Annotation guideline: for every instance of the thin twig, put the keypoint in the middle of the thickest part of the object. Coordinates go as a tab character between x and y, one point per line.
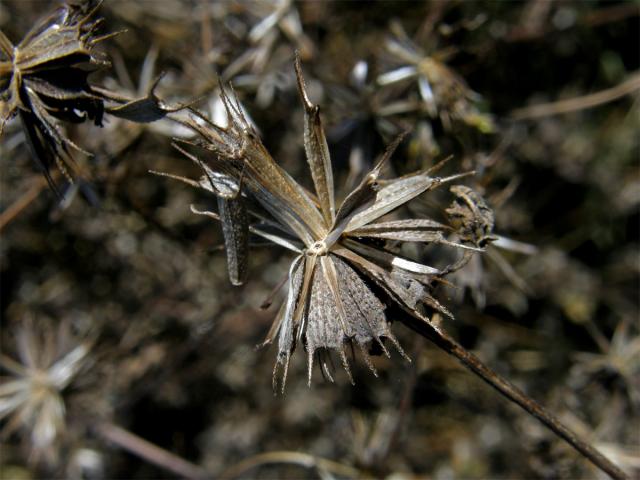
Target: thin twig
579	103
13	210
150	452
595	18
614	13
404	406
533	20
513	393
295	458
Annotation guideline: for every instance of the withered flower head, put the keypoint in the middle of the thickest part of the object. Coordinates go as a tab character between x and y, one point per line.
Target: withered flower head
471	216
443	93
32	396
44	80
279	25
330	301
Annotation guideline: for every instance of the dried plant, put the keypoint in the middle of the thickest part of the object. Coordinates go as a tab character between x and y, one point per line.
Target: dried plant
620	355
443	93
475	221
342	279
471	216
32	398
359	118
44	80
232	214
264	37
279	21
330	302
142	278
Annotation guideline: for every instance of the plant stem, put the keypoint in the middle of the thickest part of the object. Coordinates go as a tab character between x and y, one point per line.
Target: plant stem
13	210
150	452
293	458
591	100
513	393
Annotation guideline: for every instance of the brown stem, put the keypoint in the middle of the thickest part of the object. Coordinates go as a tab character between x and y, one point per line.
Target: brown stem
13	210
579	103
404	407
595	18
293	458
150	452
513	393
614	13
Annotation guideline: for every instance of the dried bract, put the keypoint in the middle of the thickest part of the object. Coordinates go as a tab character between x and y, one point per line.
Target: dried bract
43	82
620	355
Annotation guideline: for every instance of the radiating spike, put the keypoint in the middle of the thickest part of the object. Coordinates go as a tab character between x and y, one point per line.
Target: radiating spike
188	181
324	368
345	364
309	366
367	359
317	151
396	343
275	327
331	278
274	378
268	300
286	372
438	165
382	346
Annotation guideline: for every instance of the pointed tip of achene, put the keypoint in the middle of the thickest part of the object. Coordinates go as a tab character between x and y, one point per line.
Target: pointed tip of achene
345	365
302	89
285	371
309	367
399	348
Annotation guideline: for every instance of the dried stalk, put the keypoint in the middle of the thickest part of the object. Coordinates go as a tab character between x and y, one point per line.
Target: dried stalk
513	393
13	210
629	86
295	458
150	452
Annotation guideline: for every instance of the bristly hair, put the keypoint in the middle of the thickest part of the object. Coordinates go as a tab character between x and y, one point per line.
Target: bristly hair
330	301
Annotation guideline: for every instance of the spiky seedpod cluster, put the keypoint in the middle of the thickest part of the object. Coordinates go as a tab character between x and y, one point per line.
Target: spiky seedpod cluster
42	80
45	80
331	301
360	260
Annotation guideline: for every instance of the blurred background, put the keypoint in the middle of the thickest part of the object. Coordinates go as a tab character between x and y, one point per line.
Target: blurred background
540	98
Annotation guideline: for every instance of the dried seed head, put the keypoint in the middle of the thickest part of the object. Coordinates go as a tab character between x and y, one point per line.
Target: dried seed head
44	80
471	216
339	248
443	93
32	397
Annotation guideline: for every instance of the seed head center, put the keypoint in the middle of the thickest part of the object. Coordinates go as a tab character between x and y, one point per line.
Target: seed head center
318	248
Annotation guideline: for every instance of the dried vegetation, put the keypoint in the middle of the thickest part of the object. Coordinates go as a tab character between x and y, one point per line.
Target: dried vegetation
374	192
